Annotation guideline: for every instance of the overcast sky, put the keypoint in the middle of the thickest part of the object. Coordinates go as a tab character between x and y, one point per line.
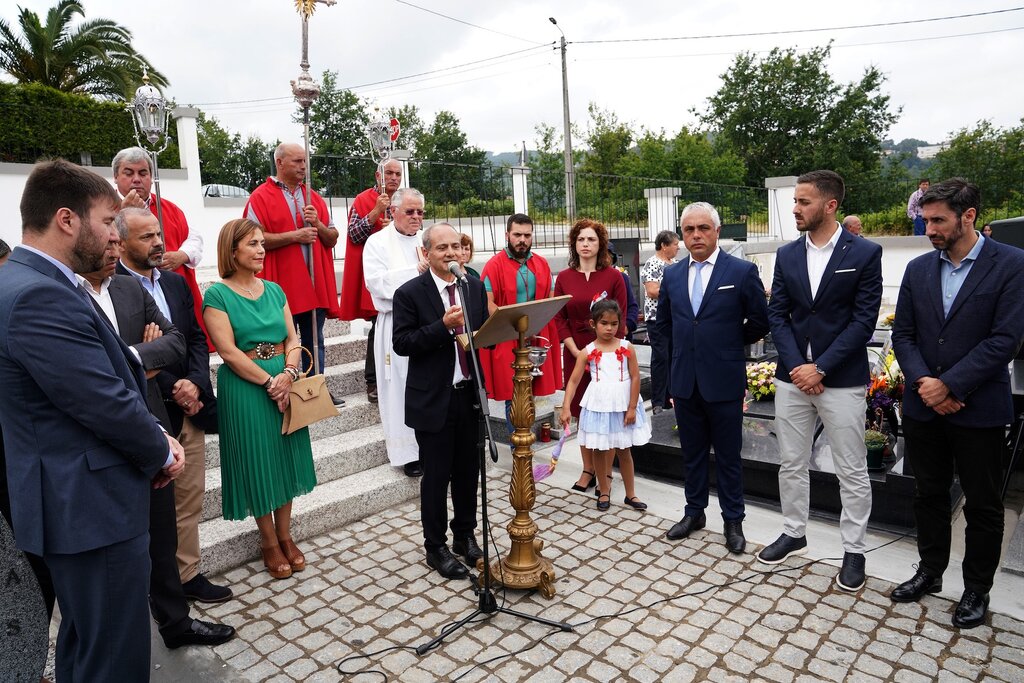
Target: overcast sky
219	54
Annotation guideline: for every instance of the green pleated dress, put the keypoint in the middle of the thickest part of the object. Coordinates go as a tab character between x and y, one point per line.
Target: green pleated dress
261	469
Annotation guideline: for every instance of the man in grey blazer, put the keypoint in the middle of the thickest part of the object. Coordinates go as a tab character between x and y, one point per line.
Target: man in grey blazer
959	322
83	450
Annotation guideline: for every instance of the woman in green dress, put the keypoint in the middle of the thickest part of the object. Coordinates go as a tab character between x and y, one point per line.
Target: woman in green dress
261	469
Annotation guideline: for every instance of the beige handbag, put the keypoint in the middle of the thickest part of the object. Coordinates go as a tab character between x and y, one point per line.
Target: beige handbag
308	402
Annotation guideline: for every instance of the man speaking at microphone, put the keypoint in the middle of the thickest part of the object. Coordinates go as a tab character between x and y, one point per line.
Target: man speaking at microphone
441	402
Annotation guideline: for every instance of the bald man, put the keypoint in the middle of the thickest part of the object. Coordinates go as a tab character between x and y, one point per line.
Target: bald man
298	231
853	225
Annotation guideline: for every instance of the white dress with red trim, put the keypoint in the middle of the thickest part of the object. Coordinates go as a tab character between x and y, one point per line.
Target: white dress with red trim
602	424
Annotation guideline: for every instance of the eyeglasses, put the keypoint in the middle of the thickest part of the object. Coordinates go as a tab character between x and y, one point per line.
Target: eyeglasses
413	212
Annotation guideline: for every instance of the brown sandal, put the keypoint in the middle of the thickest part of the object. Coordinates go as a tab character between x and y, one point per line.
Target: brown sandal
294	555
273	560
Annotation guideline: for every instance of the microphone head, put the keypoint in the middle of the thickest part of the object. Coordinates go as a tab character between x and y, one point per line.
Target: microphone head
454	269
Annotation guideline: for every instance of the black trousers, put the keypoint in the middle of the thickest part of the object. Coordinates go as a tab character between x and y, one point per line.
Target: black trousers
660	366
450	456
166	597
936	450
370	367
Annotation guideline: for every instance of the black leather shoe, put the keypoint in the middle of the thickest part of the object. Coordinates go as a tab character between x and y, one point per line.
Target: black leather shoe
201	633
338	402
783	547
468	548
851	574
916	588
413	469
200	589
735	541
971	610
686	526
445	563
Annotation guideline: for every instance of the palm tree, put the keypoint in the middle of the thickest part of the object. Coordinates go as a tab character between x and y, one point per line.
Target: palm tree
95	57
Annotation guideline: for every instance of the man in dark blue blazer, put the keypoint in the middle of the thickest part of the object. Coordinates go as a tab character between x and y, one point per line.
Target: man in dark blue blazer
710	305
825	297
184	388
959	322
82	448
441	404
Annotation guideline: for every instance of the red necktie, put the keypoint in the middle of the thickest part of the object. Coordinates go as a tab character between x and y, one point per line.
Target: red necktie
463	362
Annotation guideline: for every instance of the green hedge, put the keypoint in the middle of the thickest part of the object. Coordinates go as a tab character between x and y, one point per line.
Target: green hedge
39	122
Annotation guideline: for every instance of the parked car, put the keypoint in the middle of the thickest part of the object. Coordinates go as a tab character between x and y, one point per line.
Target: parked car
218	190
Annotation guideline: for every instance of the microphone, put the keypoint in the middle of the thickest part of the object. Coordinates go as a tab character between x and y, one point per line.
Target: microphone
454	269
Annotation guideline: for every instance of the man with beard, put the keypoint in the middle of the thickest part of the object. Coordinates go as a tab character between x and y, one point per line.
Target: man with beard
825	297
83	449
133	175
516	275
371	211
184	388
391	258
959	322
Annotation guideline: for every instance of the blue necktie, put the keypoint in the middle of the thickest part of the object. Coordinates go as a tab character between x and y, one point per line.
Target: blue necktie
697	293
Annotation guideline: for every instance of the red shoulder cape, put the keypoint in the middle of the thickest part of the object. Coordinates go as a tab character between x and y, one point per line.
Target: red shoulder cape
355	298
285	266
497	362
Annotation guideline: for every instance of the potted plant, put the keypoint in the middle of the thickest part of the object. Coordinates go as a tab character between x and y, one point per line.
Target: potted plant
761	381
876	441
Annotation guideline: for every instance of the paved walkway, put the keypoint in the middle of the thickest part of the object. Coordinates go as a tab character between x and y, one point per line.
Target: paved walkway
643	609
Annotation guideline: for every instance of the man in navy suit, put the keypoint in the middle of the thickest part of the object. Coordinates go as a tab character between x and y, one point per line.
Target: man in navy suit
83	449
441	404
959	322
710	305
185	389
824	305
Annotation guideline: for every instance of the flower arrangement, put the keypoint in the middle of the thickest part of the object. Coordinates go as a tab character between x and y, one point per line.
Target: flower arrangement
887	321
875	439
887	384
761	380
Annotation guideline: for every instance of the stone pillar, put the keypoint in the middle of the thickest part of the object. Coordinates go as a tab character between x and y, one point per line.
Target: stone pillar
520	189
188	145
781	223
403	156
662	209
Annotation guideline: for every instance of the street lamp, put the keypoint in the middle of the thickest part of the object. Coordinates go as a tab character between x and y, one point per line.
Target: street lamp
570	176
149	118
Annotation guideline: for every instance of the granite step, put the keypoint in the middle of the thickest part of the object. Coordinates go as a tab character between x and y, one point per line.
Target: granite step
228	544
356	414
334	457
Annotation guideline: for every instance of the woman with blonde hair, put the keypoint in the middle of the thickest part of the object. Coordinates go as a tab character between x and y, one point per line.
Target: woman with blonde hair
261	469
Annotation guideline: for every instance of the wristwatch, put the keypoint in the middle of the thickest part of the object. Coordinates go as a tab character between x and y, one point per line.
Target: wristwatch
818	370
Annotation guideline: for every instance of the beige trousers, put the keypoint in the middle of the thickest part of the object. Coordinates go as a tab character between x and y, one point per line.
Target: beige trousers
188	498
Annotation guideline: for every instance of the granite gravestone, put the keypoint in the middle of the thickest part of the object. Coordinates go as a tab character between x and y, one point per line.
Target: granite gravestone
24	624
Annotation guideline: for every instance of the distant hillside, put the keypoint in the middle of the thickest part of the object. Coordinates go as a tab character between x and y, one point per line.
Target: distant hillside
505	158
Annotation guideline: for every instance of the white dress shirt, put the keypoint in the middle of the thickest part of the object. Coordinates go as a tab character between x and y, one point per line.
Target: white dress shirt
442	292
817	260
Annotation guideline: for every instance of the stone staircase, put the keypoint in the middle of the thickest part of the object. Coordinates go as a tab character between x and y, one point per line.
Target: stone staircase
354	478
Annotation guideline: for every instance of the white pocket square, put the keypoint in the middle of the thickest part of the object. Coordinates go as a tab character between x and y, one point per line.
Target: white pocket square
846	270
727	287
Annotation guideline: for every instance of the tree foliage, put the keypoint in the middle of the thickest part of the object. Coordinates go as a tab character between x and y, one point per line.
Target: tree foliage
990	157
226	158
784	114
95	57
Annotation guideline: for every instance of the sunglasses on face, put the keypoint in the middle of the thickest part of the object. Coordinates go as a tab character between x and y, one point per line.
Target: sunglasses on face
413	212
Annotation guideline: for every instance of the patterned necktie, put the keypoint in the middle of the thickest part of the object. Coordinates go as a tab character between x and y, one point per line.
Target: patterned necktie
463	361
697	293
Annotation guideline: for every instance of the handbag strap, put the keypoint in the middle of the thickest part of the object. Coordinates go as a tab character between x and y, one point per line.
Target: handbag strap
303	348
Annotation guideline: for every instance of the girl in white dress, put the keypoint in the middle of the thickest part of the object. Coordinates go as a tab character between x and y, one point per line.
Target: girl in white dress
609	421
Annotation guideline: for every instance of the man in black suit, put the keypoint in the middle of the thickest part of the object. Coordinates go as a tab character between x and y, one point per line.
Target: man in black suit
184	387
83	450
156	343
441	404
959	322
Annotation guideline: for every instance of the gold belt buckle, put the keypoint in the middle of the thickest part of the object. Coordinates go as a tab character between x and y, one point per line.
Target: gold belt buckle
265	350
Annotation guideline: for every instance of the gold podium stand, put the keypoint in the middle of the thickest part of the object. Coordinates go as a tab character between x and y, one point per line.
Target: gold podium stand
523	567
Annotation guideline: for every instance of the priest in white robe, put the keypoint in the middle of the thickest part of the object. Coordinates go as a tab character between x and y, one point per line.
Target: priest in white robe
392	257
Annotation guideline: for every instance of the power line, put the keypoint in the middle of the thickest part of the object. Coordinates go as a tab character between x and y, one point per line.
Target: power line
461	21
728	54
801	30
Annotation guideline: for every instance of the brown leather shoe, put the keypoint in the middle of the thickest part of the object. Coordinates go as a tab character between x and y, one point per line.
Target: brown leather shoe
276	563
371	393
294	555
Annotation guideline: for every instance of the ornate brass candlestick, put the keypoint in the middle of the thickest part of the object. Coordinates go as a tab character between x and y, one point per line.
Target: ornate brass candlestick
523	567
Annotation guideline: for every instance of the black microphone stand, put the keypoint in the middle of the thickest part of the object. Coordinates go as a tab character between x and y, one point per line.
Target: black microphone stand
487	604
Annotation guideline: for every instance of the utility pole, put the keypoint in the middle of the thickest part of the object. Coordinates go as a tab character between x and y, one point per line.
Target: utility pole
570	174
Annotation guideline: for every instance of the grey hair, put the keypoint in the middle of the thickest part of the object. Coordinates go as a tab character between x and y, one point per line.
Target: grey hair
403	192
4	249
425	236
701	206
121	219
130	155
849	219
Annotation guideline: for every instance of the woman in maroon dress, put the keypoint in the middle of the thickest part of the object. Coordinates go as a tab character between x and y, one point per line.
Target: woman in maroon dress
589	277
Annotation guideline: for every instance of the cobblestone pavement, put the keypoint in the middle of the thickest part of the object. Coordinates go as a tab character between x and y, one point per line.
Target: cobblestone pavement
685	611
